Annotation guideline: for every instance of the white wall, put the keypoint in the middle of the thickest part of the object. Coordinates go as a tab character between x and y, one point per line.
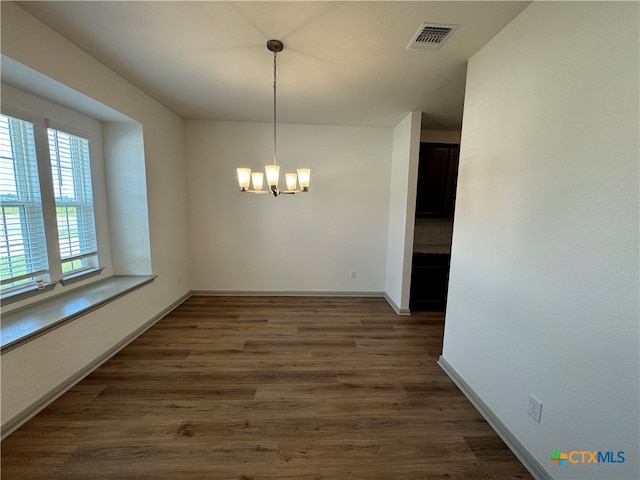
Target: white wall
32	371
127	187
440	136
402	209
308	242
543	294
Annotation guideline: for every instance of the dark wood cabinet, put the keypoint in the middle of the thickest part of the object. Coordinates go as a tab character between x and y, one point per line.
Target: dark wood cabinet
429	281
437	177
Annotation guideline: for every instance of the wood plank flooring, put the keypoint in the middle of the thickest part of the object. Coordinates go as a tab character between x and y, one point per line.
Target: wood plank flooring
267	388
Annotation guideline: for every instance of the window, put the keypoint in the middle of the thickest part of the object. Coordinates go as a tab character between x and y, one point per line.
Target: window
71	174
35	183
23	251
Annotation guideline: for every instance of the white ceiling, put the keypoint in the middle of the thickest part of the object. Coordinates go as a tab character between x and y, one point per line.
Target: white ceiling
344	63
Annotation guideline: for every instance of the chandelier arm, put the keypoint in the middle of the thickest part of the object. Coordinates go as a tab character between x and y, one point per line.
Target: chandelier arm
249	190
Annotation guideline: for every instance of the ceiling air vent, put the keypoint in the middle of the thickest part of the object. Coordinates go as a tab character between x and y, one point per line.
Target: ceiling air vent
430	36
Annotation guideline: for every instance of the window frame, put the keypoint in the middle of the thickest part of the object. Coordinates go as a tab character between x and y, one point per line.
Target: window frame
41	123
29	203
89	259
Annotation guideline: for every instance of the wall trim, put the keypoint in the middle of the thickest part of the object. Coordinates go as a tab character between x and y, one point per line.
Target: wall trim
36	407
297	293
398	310
528	461
285	293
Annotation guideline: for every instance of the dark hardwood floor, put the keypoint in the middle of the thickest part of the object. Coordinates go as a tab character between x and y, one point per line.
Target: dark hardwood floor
267	388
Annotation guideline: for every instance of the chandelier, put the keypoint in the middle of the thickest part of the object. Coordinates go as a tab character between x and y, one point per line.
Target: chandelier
245	177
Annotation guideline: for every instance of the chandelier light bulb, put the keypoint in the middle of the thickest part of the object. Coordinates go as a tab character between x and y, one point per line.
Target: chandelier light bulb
304	175
292	179
257	178
273	173
244	177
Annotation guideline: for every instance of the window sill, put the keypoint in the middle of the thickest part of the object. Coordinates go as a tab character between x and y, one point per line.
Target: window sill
32	290
29	291
82	275
23	325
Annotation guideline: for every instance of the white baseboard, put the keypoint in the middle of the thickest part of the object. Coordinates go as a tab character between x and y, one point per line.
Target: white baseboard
283	293
399	311
529	461
292	293
36	407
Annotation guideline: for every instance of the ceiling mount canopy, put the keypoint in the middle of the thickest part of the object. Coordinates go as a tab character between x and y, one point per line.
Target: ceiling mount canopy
275	46
245	177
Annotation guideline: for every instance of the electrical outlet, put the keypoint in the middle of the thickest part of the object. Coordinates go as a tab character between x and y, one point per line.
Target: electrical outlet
353	274
535	408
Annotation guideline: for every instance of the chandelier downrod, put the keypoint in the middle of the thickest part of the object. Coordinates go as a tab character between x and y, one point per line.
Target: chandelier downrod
245	177
275	46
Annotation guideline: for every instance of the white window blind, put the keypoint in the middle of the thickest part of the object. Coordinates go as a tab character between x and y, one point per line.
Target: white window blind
23	251
71	174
